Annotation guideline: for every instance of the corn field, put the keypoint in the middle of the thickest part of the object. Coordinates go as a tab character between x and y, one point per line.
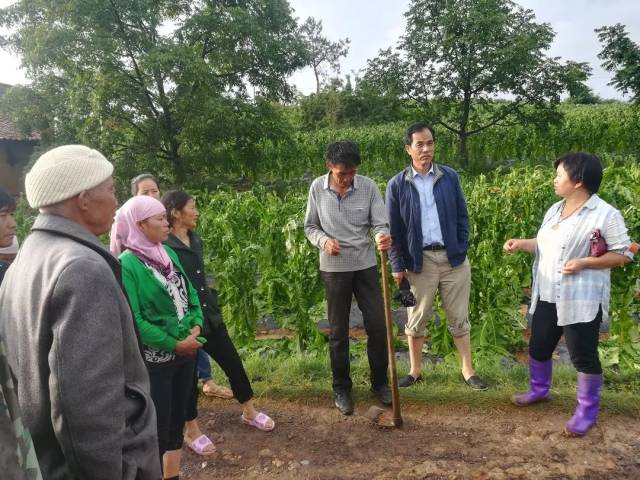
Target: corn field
610	130
264	266
255	244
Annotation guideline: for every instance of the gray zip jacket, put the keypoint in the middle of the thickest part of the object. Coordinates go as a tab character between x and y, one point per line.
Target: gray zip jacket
74	354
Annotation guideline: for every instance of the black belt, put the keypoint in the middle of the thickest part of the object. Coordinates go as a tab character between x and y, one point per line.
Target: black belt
433	248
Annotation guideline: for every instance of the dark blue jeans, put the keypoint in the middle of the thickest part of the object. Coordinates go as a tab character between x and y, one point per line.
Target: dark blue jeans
203	365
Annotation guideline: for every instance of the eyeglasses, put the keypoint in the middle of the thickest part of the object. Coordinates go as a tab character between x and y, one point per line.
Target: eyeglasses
344	174
421	145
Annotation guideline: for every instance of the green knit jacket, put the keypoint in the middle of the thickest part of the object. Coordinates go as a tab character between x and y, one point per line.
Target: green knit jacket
152	306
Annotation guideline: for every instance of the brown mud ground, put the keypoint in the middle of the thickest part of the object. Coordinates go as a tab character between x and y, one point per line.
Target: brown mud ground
313	441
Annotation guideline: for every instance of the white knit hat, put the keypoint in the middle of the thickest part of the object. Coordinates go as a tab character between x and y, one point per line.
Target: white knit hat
64	172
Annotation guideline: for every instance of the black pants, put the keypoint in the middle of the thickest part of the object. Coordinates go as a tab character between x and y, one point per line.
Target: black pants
581	338
171	391
220	347
339	288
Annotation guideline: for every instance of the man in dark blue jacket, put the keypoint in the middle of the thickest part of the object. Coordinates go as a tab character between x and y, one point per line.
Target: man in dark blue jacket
430	230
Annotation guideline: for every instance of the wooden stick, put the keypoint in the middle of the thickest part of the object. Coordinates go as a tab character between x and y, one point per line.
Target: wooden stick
386	293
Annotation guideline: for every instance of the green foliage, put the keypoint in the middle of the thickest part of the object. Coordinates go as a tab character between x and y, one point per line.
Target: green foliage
184	102
255	245
609	130
576	74
25	216
229	233
340	105
265	266
622	56
302	285
622	189
278	371
323	54
457	56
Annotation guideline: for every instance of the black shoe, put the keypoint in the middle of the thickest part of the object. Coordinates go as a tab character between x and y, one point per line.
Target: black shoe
343	401
476	383
409	380
383	394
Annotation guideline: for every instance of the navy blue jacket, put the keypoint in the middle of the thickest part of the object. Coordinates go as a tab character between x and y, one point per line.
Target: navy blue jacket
403	207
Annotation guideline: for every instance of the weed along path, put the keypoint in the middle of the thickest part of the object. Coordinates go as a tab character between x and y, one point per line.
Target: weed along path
313	441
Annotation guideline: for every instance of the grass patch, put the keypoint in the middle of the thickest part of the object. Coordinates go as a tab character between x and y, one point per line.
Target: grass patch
306	376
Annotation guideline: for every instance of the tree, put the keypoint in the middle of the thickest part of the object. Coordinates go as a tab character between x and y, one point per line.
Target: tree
342	104
622	56
323	54
458	56
576	74
185	87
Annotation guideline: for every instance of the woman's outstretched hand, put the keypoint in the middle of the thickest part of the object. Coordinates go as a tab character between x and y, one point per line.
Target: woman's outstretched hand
514	245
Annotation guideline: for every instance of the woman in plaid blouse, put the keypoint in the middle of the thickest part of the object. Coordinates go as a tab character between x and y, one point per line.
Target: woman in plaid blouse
571	283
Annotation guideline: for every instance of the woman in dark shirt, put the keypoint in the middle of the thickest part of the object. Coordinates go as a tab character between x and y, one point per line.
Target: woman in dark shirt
182	215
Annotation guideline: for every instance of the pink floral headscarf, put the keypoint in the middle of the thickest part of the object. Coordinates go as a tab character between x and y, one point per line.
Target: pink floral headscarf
128	235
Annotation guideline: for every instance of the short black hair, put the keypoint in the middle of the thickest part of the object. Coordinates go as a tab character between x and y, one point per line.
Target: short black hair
582	167
344	152
418	127
174	199
7	201
143	176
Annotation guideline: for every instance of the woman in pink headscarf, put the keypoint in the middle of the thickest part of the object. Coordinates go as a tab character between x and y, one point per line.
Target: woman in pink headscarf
168	315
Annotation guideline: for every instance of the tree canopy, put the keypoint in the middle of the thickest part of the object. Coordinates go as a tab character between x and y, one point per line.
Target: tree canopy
576	74
324	55
622	56
458	56
183	87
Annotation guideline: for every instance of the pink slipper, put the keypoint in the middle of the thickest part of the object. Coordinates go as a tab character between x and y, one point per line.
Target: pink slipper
261	422
201	444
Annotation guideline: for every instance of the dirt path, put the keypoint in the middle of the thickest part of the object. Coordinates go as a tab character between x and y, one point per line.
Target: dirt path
313	441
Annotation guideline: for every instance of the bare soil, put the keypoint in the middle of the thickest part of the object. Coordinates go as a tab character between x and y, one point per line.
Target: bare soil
313	441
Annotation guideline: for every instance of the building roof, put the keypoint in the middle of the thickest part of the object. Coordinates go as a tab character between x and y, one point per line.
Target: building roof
9	131
8	128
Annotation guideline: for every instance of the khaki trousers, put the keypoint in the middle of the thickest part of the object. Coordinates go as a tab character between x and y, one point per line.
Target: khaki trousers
454	285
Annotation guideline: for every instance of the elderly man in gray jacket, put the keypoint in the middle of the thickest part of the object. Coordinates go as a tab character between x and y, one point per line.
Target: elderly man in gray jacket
71	340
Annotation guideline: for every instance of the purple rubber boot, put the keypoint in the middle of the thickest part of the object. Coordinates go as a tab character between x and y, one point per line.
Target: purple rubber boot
588	396
539	383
